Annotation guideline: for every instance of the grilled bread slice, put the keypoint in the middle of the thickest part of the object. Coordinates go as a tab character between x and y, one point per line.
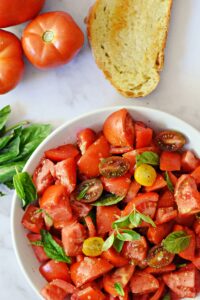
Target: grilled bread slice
128	38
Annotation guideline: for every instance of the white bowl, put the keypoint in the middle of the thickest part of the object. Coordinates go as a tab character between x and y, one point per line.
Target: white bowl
67	134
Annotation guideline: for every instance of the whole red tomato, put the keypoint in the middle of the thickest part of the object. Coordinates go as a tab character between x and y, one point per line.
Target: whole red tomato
52	39
13	12
11	61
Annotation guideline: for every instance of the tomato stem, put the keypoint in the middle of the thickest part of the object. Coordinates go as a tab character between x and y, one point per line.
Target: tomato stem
48	36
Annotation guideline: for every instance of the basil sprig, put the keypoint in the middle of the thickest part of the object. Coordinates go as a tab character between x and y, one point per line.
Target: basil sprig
119	289
147	157
176	241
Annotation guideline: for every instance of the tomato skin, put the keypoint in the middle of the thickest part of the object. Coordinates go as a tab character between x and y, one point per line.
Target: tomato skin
143	135
170	161
196	175
120	150
143	283
11	60
38	250
13	13
32	220
159	292
85	138
62	152
55	201
89	163
121	275
187	196
161	270
188	253
89	293
90	226
118	186
65	172
188	161
42	176
66	40
132	191
115	258
136	251
157	234
196	227
118	129
55	270
73	236
158	184
105	216
165	214
185	220
166	199
57	289
88	270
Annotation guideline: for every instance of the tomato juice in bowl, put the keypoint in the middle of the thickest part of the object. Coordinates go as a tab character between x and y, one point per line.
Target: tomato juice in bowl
67	134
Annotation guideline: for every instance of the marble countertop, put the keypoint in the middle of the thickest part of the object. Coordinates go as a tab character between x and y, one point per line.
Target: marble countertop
60	94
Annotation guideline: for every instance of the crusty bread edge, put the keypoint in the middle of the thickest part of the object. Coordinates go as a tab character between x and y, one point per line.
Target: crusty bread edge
160	60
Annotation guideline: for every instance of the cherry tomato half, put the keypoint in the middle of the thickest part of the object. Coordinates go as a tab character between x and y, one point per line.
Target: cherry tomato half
114	166
52	39
145	175
89	190
170	140
159	257
93	246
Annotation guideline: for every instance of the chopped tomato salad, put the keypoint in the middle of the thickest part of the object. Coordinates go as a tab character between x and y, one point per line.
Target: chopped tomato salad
118	215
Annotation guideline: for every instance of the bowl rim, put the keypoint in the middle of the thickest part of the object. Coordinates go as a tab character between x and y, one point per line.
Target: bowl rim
108	109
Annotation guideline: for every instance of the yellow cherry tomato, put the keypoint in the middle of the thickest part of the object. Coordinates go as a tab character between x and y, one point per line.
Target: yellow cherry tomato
145	175
93	246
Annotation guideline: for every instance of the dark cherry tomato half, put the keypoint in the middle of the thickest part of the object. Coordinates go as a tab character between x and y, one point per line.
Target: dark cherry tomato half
114	166
158	257
170	140
89	190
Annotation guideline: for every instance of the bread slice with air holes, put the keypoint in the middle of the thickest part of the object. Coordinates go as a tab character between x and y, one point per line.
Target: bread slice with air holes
128	38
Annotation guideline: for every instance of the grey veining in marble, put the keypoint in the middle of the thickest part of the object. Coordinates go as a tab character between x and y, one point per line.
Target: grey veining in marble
60	94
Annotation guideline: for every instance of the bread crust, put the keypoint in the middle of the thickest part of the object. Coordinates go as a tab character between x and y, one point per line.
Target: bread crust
159	62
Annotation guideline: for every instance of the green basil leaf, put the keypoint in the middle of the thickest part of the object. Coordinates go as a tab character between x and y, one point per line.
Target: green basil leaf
52	249
167	297
119	289
176	241
10	151
108	242
146	219
118	245
108	200
169	183
25	188
82	193
5	140
8	170
16	126
135	219
4	114
121	222
133	235
147	157
181	265
37	243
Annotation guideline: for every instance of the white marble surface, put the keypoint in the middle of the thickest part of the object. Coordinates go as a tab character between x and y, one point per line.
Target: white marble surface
60	94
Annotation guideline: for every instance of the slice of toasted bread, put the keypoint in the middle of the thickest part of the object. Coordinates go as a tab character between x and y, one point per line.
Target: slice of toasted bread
128	38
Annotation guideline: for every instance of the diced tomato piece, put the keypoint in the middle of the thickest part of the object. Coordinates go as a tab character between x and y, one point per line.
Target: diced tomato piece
120	150
187	196
185	220
89	163
173	296
55	270
118	128
66	286
188	161
105	216
32	219
73	237
165	214
42	176
183	281
196	262
85	138
65	172
158	184
79	208
196	175
146	203
157	234
161	270
143	283
90	226
173	178
38	250
57	289
188	253
132	191
170	161
135	250
62	152
121	275
196	226
115	258
166	199
143	135
159	293
89	269
89	293
118	186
